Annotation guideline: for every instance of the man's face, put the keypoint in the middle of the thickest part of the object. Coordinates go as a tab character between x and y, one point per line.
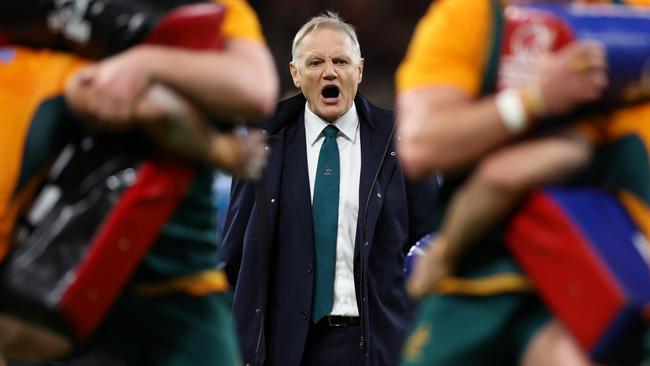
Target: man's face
328	72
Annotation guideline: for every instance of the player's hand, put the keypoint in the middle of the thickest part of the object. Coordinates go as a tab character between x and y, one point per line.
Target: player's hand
107	92
429	270
575	75
178	126
244	155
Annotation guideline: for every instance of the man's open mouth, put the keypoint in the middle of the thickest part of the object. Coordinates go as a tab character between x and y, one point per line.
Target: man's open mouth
330	91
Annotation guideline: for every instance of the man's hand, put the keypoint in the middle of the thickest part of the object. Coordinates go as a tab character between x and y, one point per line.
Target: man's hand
573	76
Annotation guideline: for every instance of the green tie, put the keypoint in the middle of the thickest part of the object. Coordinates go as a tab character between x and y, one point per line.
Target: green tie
325	212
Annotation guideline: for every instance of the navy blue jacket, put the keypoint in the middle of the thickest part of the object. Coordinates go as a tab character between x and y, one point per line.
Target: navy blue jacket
273	280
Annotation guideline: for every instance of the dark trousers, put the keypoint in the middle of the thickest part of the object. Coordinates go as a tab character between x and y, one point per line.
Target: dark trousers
333	346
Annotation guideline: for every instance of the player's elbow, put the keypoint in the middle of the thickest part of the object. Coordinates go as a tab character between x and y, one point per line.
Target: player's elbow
268	99
419	160
263	97
421	156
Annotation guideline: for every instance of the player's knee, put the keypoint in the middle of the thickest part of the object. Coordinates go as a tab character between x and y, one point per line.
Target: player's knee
553	345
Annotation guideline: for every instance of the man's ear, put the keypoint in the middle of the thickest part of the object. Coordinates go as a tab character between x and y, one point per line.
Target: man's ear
294	74
360	66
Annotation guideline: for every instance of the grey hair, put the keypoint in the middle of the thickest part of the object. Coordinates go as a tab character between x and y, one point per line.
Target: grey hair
330	20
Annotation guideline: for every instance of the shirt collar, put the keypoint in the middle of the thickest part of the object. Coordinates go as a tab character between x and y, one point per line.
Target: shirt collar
347	124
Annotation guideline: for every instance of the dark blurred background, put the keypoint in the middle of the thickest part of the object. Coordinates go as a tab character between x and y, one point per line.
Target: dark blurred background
384	28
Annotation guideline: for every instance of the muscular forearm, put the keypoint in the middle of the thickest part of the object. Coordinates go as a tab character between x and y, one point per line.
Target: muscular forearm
447	134
442	128
238	83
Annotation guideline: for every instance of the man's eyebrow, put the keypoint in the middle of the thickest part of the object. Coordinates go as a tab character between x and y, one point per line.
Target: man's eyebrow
313	57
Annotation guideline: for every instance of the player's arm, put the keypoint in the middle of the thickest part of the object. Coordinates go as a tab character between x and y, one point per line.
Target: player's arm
442	128
238	82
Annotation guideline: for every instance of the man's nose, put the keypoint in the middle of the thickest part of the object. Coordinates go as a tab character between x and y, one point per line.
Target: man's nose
330	72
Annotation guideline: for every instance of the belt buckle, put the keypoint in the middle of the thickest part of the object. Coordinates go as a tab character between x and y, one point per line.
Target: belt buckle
339	325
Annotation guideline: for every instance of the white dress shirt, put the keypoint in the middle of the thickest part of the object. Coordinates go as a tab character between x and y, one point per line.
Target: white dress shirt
349	143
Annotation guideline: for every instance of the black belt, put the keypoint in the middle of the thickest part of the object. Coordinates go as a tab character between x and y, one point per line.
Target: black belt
338	321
